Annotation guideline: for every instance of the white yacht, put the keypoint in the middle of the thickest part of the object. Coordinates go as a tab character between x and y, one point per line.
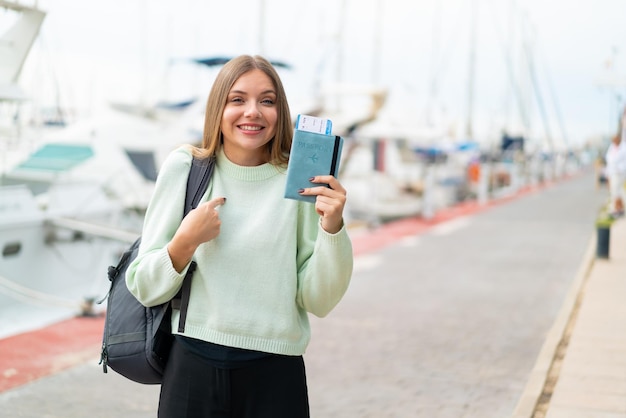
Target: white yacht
59	228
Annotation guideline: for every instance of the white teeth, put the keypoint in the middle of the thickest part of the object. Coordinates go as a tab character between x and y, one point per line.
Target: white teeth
250	128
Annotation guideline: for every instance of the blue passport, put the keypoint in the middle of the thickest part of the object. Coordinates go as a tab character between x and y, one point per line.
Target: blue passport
312	154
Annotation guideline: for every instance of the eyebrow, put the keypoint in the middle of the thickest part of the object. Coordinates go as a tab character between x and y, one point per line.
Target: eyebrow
245	92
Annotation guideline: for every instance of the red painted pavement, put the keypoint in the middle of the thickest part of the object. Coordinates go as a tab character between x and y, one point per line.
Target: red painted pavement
32	355
391	232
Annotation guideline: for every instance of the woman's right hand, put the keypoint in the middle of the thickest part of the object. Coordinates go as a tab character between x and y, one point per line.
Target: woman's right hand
201	224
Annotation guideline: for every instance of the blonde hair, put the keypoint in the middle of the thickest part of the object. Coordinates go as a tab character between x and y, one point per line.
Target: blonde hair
278	148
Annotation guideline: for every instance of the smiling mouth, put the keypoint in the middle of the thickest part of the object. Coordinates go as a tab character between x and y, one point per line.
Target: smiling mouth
250	128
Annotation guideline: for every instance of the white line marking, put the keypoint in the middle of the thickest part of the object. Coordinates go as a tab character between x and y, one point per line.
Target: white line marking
366	262
410	241
450	226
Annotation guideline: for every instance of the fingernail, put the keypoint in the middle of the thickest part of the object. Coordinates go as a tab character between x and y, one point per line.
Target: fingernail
311	179
300	190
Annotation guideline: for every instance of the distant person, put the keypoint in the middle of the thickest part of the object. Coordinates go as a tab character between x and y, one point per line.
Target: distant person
615	169
264	262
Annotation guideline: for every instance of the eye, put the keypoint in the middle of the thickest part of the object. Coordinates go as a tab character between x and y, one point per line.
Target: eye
267	102
236	100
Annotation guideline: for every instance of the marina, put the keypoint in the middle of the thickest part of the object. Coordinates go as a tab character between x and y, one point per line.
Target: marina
77	191
437	323
473	230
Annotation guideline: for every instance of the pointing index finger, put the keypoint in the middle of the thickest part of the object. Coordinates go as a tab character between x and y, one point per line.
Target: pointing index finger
215	202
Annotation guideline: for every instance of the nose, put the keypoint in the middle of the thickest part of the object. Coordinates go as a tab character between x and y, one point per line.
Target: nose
252	110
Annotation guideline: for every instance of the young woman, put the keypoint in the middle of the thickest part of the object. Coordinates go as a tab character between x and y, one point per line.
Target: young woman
264	262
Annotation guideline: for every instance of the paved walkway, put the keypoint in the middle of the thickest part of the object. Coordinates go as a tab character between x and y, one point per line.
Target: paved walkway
428	328
581	372
450	322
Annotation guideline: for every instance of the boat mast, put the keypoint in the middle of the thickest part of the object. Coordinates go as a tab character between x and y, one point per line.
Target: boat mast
262	28
434	64
376	56
469	131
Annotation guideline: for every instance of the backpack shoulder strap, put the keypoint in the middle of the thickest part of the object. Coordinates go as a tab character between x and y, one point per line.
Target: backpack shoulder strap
199	176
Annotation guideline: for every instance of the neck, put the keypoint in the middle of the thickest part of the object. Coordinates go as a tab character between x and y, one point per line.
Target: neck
249	159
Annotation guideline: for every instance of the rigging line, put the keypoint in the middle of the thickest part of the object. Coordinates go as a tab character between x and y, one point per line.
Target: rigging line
555	100
96	249
85	269
61	96
539	97
437	66
435	45
440	67
511	73
94	254
28	295
471	83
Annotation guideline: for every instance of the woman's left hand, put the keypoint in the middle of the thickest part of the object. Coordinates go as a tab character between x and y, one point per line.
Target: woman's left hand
329	203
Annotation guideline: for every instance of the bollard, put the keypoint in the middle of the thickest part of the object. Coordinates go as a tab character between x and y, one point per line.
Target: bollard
604	239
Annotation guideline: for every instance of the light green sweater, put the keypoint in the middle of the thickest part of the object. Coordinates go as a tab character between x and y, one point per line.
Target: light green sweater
271	263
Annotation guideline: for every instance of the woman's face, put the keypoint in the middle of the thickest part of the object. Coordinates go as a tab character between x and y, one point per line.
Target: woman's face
249	119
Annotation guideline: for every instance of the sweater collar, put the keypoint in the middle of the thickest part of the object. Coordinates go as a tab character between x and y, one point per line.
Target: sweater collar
253	173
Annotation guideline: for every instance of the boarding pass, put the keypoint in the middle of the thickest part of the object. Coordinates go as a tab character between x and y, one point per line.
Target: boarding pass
314	124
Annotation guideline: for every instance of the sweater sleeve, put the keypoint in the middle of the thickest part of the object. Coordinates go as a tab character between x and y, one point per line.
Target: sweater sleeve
151	277
325	263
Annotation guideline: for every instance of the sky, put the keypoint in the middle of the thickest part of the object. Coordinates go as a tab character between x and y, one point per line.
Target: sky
469	67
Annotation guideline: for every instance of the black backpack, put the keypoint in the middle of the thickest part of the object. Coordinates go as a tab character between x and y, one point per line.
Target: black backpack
137	340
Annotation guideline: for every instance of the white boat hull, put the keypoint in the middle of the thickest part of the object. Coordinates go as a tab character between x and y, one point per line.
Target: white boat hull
46	272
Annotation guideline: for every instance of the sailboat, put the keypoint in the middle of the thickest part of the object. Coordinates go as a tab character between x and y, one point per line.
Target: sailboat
58	232
408	166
